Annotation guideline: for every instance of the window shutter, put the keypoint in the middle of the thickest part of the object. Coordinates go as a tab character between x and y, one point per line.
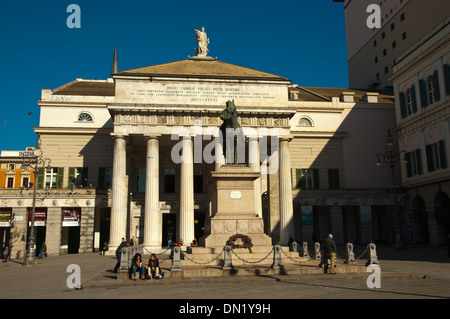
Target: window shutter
430	163
298	177
70	181
443	154
403	110
316	184
408	165
59	177
40	177
437	93
413	98
423	93
419	161
101	177
84	176
447	78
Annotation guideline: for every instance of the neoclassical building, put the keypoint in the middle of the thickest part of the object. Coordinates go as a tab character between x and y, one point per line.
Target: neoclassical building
131	156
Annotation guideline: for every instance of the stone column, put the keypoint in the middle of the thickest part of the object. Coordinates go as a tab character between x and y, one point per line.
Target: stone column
53	231
87	229
152	219
286	207
186	217
253	160
119	196
19	231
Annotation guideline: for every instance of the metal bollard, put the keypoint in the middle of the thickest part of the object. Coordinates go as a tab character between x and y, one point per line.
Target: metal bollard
228	264
350	256
317	254
176	259
277	259
305	252
373	258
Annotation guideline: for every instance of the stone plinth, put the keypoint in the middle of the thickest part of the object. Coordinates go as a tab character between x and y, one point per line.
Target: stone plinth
233	210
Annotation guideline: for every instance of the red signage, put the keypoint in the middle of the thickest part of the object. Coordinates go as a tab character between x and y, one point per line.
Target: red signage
40	216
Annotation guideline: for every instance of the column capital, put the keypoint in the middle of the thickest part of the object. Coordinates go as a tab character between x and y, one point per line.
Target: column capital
252	137
286	138
152	136
187	136
119	135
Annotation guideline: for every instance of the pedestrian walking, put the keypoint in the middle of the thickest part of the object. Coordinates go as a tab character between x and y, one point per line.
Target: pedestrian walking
5	254
105	248
123	244
43	252
169	238
329	250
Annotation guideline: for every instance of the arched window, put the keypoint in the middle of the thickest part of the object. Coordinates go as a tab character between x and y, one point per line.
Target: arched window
85	117
305	122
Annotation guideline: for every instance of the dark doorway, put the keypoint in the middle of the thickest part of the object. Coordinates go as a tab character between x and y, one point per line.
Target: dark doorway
73	243
105	221
199	224
442	215
4	239
421	220
40	237
169	228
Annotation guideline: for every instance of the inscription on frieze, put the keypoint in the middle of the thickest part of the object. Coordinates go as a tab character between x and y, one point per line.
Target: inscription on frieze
193	93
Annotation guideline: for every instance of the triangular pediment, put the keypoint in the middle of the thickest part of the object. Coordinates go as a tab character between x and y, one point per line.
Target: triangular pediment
203	68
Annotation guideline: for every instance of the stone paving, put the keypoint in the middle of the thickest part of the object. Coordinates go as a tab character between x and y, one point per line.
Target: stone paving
417	272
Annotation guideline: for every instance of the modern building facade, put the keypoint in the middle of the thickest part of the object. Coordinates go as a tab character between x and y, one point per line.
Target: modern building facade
131	156
372	51
421	81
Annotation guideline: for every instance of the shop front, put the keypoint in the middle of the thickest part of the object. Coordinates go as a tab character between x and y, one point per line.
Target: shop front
40	222
70	231
5	229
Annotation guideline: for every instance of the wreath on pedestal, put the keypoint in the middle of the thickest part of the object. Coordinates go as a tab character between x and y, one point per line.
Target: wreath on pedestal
240	241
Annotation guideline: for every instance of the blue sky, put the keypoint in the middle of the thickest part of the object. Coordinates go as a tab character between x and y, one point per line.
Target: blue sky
303	41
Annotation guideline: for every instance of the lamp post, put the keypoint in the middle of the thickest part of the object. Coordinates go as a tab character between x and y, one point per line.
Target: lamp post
391	157
37	159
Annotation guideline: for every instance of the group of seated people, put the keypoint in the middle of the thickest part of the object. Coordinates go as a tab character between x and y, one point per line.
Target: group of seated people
153	271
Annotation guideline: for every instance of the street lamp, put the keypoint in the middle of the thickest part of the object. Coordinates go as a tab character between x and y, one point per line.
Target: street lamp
35	157
391	157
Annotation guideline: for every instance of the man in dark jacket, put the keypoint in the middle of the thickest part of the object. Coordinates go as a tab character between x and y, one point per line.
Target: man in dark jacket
119	253
329	250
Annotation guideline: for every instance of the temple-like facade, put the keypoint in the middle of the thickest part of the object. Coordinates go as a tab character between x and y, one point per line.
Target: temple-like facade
131	156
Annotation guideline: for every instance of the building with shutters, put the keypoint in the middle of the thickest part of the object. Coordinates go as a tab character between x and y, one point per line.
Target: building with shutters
421	81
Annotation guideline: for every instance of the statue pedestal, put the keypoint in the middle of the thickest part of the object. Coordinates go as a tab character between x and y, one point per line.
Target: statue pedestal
233	208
